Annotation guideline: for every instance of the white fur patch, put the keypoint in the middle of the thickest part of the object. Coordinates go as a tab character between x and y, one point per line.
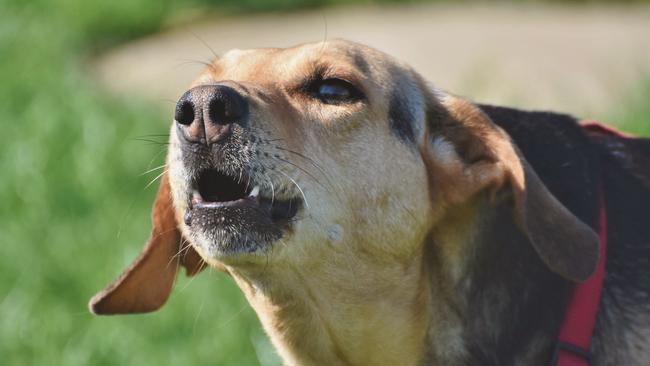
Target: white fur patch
444	151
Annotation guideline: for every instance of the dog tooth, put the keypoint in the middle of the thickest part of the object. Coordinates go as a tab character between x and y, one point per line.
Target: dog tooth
196	197
255	192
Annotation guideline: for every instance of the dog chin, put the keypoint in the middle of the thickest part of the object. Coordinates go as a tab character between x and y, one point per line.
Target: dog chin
233	233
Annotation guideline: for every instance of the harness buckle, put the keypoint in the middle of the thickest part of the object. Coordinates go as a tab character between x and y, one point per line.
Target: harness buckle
570	347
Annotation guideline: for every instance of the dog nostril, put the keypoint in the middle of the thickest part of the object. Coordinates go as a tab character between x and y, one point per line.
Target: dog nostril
184	112
218	112
226	106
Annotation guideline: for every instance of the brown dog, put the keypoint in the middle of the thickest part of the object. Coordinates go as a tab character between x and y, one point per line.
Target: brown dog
371	219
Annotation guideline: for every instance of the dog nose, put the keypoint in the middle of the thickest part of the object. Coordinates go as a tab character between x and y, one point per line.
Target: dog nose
206	114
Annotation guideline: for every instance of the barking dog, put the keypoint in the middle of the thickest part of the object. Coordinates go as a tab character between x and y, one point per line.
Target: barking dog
372	219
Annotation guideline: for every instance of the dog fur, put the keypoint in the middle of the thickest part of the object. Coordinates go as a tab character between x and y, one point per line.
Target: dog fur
434	231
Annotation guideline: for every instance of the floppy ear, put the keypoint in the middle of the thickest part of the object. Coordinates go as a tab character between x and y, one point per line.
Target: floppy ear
147	282
470	153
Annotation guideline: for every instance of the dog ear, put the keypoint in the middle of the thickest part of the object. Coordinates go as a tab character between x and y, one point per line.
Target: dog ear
466	153
146	284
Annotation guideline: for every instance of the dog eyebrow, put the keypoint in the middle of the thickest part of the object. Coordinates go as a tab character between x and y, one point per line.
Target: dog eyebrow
360	62
400	117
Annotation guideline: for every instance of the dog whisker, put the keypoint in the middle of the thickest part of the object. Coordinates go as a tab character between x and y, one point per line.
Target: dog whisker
214	53
155	134
198	314
232	318
184	62
310	160
301	169
297	186
153	142
155	156
184	248
156	178
178	254
272	188
152	170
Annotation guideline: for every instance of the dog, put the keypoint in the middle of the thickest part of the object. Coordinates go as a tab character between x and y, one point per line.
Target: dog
373	219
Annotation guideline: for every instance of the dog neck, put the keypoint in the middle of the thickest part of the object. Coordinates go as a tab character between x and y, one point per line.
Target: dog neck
476	294
321	314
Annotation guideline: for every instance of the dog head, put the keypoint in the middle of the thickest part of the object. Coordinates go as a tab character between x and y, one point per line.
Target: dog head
326	151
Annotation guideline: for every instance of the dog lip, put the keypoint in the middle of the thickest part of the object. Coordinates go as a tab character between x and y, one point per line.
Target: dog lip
241	202
277	209
239	227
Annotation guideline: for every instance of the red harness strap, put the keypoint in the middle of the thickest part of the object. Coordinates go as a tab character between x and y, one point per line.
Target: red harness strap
572	348
574	340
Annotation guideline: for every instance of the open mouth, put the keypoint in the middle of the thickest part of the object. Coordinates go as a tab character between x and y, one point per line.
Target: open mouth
216	190
231	215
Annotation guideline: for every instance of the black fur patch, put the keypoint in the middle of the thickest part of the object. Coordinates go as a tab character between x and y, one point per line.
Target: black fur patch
561	154
361	63
574	166
626	185
510	285
400	117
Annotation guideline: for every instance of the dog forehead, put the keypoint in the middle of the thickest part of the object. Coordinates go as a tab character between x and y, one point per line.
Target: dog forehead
390	84
278	64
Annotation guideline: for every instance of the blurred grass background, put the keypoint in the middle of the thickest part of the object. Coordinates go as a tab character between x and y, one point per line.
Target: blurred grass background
74	202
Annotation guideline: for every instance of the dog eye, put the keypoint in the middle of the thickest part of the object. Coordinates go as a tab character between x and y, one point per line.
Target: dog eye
335	91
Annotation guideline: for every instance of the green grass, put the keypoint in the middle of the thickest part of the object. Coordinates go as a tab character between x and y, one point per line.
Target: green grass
634	116
74	208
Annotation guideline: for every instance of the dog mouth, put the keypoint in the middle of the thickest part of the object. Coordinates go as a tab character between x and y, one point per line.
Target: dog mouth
232	213
215	189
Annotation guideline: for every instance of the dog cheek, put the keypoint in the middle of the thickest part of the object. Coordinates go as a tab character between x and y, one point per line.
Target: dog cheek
178	175
178	179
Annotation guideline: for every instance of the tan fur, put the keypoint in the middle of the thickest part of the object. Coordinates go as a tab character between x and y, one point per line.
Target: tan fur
368	276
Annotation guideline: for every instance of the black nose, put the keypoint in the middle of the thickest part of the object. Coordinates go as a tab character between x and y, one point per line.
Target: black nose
206	114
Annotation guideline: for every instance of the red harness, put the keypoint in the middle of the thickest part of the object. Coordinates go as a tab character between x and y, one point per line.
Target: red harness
572	348
573	343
